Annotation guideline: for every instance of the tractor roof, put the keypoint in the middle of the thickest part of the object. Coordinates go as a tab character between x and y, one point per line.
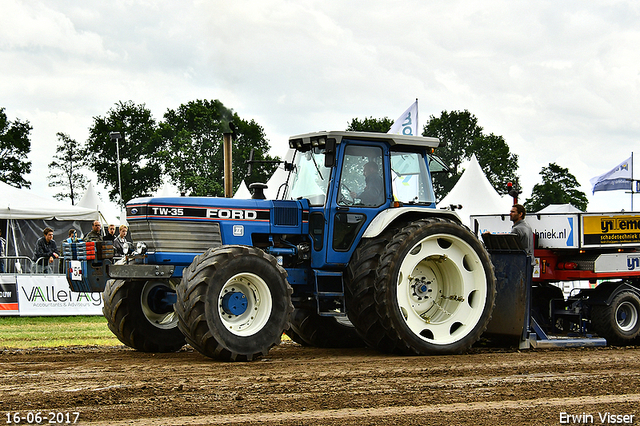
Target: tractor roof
320	138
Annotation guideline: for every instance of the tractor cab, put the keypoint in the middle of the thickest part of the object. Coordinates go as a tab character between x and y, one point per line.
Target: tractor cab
349	179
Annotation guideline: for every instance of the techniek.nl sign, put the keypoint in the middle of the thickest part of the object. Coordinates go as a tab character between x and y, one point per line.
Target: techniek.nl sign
50	295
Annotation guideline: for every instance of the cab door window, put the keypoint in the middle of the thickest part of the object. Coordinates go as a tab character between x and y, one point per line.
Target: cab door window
362	177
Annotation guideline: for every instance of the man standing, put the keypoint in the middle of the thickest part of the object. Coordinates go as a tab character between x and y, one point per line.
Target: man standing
46	251
95	234
522	229
111	234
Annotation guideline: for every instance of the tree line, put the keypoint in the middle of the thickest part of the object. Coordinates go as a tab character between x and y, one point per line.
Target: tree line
186	147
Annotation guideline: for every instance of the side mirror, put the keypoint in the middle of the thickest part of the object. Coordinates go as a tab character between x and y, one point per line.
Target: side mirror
330	153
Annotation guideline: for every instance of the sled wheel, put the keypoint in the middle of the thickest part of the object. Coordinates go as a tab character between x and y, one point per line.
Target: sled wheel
618	322
324	332
435	288
234	303
140	314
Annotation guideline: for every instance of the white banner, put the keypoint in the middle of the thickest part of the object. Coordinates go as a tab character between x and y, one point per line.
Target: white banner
407	123
50	295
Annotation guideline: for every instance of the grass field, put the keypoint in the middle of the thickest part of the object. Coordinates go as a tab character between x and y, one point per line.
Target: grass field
49	332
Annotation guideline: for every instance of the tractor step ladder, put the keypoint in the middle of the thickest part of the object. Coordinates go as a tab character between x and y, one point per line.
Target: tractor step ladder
329	289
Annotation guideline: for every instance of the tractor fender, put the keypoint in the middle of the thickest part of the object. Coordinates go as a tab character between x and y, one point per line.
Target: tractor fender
405	214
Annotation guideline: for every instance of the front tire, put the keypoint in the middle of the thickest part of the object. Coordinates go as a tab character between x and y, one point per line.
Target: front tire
619	322
234	303
435	288
136	314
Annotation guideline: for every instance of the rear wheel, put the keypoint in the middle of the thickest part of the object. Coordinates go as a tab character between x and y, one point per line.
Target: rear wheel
141	315
619	322
323	332
234	303
435	288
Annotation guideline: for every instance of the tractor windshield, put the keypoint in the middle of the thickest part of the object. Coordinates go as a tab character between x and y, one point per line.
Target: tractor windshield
410	178
309	177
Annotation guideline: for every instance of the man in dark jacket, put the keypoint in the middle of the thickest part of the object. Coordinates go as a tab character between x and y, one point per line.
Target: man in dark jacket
46	252
95	234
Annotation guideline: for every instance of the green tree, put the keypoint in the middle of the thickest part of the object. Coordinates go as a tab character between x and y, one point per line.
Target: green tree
192	151
140	170
558	187
379	125
65	169
460	137
15	146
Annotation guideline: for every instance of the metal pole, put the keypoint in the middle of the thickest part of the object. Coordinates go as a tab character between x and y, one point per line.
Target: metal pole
119	181
117	136
631	180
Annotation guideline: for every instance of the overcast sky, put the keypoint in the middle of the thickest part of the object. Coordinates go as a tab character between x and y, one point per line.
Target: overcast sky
558	80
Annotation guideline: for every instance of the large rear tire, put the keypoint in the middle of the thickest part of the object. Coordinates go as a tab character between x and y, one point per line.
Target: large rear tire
619	322
435	288
360	291
137	314
323	332
234	303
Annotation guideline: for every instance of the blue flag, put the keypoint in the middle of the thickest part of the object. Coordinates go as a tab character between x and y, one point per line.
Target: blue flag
613	180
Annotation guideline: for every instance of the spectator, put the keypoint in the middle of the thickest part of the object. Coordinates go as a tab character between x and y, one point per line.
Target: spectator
121	246
95	234
522	229
46	252
73	236
111	234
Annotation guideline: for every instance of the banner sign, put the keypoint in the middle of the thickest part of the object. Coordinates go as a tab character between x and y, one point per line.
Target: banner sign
602	229
50	295
8	295
551	230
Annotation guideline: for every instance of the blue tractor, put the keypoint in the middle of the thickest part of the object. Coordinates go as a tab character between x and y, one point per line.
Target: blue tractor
352	252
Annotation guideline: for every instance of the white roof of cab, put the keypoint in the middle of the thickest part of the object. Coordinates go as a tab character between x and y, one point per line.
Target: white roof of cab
392	139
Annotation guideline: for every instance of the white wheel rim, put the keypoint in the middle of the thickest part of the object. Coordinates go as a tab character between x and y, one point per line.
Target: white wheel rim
626	316
441	289
259	304
166	320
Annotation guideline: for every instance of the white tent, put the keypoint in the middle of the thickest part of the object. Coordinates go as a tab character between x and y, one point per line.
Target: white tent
91	200
243	192
476	195
23	204
25	214
167	190
560	208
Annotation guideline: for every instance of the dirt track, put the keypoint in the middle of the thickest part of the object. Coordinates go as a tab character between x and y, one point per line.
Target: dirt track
295	385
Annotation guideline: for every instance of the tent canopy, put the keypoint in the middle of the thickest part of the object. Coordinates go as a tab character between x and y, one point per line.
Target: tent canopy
23	204
476	195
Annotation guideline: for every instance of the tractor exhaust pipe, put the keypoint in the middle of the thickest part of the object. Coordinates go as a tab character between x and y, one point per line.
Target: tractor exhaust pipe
228	171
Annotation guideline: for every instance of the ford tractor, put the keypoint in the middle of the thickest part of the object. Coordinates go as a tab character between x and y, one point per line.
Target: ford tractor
353	251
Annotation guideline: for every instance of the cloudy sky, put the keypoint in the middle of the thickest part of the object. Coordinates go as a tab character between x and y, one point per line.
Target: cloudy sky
558	80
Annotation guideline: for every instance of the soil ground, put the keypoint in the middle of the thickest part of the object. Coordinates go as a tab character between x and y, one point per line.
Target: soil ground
297	385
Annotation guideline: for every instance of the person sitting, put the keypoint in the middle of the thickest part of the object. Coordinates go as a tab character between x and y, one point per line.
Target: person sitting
95	234
46	252
121	245
373	193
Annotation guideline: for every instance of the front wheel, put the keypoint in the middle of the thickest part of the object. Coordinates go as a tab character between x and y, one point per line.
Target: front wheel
234	303
619	322
140	314
435	288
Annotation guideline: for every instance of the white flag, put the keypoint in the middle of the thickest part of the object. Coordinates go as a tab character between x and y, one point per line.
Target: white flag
407	123
617	178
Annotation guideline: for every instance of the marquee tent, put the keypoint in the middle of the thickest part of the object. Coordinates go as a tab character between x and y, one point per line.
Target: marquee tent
476	195
24	214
